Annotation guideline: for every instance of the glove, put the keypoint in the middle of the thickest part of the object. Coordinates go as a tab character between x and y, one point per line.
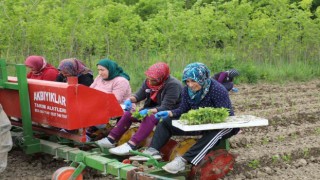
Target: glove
235	89
143	112
161	114
128	105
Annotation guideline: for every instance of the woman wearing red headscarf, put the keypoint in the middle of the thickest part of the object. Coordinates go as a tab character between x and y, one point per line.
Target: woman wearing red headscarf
159	91
40	69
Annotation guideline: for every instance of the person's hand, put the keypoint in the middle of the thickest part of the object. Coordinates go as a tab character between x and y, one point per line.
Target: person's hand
128	105
161	114
143	112
235	89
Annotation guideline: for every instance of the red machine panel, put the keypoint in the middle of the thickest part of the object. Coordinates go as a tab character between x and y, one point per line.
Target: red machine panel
63	105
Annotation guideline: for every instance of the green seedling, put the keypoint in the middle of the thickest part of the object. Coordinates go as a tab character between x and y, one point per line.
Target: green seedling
265	140
138	116
286	157
280	138
294	136
254	164
205	115
306	152
275	158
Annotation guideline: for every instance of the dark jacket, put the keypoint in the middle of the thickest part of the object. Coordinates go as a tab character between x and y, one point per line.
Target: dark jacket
169	97
84	79
217	97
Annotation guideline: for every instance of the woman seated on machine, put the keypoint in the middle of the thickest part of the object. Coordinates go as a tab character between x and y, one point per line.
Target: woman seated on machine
40	69
159	91
74	68
111	79
200	91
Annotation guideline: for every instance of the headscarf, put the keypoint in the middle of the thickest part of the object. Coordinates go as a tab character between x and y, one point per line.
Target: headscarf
201	74
37	63
160	72
73	67
233	73
113	68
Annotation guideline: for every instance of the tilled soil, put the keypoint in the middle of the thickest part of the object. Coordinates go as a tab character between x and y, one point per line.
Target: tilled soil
289	148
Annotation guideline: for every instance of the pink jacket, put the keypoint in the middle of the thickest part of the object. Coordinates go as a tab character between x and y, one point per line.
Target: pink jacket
119	86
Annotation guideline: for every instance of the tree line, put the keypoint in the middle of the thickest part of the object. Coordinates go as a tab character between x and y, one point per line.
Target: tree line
136	33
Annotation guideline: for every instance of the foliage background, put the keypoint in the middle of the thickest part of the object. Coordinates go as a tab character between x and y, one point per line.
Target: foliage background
269	40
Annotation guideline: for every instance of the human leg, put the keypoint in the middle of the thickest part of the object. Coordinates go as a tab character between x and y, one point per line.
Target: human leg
145	128
209	139
162	134
115	134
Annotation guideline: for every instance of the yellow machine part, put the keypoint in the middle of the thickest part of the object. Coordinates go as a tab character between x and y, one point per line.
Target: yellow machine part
103	132
182	147
130	132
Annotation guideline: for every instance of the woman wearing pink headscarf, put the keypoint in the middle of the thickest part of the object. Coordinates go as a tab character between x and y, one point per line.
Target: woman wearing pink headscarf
40	69
159	91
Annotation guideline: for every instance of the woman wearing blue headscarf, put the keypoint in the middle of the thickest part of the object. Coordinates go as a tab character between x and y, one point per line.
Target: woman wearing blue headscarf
200	91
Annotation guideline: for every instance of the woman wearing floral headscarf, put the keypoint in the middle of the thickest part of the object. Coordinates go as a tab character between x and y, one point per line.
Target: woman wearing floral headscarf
40	69
75	68
200	91
160	92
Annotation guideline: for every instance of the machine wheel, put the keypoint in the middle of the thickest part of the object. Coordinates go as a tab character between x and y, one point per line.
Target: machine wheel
64	173
215	165
181	148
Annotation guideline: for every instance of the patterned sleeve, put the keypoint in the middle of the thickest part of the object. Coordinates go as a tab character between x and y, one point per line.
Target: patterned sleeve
221	99
184	105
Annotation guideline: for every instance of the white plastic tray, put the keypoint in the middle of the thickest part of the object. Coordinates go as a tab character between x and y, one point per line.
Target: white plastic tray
231	122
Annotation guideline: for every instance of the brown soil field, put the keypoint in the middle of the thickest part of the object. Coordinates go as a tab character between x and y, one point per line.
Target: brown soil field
289	148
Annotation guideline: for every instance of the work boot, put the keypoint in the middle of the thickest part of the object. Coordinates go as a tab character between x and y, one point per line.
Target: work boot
175	166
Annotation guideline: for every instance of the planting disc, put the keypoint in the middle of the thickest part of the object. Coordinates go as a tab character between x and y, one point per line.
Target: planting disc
64	173
215	165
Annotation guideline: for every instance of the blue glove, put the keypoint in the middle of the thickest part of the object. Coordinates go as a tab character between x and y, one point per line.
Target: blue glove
143	112
235	89
128	105
161	114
